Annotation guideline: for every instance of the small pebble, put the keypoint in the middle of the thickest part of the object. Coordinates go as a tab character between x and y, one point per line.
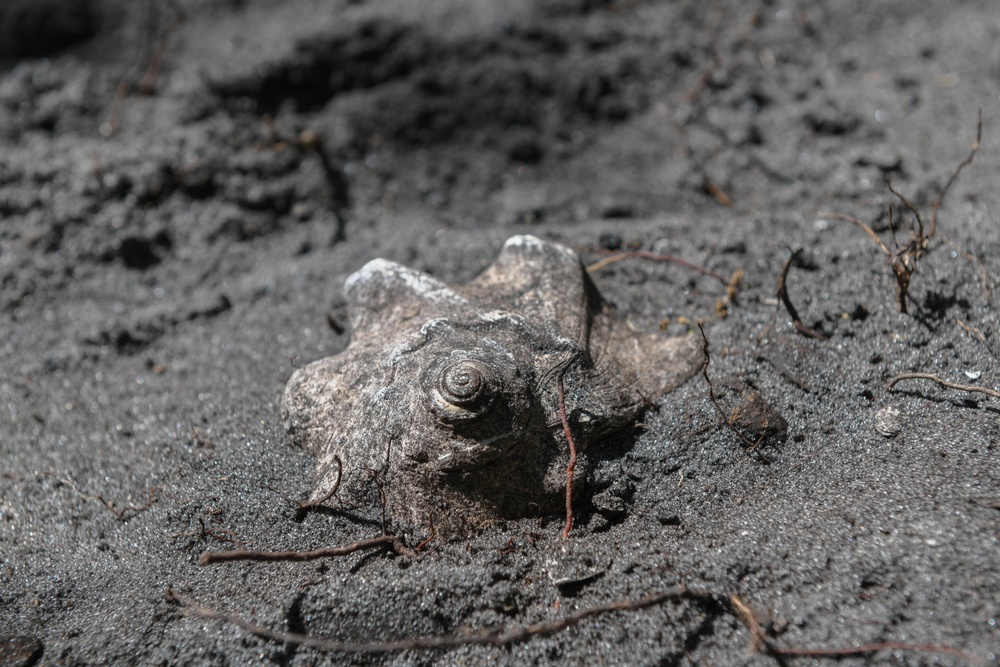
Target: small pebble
887	422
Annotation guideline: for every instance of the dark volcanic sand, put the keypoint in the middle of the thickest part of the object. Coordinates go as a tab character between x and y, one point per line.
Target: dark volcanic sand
167	260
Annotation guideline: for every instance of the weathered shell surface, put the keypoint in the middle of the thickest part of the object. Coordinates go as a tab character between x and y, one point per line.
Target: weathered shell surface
447	397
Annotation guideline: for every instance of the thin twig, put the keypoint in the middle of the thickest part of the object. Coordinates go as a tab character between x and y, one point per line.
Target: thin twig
507	548
903	260
518	634
863	225
210	557
112	505
759	641
571	466
913	209
965	163
529	537
382	498
714	189
783	295
430	519
975	332
943	383
485	636
864	649
899	262
221	534
312	142
645	254
743	611
336	487
751	445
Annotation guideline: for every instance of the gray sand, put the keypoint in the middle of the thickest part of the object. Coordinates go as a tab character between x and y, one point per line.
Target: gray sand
167	261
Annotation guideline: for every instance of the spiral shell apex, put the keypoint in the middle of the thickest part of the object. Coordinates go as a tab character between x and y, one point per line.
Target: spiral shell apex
464	382
464	389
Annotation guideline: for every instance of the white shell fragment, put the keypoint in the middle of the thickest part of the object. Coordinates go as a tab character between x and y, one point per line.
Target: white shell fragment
888	422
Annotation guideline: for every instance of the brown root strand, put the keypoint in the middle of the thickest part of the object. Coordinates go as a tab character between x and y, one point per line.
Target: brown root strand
336	487
865	649
921	239
743	611
431	537
751	445
485	636
903	260
571	466
864	226
943	383
111	505
518	634
220	534
714	189
785	299
652	256
210	557
759	641
958	170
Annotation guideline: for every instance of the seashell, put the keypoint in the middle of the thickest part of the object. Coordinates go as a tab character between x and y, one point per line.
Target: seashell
888	422
450	394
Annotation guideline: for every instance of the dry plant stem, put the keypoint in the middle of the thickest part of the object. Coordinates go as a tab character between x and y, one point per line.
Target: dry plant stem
759	641
337	183
783	295
921	239
211	557
714	189
751	445
865	226
758	638
433	535
975	332
310	141
897	261
903	260
221	534
865	649
509	547
491	637
943	383
119	512
958	170
336	487
571	466
644	254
